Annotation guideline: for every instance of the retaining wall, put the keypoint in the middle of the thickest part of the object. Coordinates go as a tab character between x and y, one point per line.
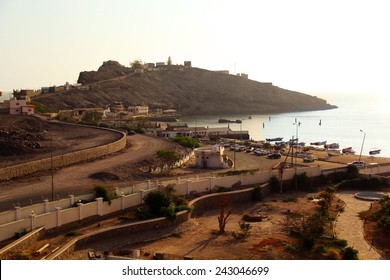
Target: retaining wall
31	167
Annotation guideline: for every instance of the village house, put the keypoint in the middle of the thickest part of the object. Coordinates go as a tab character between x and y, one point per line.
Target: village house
117	107
78	113
138	110
19	106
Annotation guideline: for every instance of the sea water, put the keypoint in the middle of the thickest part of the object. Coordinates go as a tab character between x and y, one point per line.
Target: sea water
354	121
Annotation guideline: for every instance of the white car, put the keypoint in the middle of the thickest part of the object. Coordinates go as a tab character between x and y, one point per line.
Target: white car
357	163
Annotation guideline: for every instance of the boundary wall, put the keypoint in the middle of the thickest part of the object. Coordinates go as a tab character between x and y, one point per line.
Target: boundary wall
55	214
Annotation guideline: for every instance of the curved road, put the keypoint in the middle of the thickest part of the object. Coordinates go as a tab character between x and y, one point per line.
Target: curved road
74	179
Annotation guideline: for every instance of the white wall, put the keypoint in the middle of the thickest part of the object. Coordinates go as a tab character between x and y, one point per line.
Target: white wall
184	186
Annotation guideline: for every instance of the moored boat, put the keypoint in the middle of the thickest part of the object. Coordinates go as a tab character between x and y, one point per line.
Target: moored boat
374	152
229	121
318	143
274	139
332	146
348	150
333	152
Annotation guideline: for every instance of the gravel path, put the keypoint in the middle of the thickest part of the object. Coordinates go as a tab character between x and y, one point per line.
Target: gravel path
350	227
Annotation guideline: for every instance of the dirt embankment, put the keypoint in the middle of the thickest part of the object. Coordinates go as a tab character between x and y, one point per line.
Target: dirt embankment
26	138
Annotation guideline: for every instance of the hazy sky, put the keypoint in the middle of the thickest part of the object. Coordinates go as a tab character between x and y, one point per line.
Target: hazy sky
316	47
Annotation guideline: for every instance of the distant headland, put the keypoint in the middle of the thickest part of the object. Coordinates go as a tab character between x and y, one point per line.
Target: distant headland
186	89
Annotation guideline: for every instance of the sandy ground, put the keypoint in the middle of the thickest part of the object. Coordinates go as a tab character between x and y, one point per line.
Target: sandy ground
199	236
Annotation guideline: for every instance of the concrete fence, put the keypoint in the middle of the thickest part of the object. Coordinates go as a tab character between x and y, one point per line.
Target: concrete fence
55	214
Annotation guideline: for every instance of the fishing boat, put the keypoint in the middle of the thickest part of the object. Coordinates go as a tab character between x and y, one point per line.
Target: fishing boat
319	143
274	139
348	150
229	121
374	152
332	146
333	152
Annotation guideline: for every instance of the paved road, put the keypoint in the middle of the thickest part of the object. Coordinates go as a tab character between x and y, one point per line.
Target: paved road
74	179
350	227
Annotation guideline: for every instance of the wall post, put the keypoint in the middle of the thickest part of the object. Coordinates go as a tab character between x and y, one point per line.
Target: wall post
17	213
47	208
99	206
33	220
188	186
80	206
122	201
58	212
71	200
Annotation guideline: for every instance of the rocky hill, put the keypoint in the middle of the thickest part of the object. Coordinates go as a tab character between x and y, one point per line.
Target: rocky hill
188	90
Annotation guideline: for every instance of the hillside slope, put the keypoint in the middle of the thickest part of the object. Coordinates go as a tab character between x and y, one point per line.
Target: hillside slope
189	91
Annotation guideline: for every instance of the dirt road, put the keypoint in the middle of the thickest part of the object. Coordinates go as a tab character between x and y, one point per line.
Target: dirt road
74	179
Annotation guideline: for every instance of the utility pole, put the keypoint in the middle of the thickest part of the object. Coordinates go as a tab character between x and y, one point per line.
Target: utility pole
52	167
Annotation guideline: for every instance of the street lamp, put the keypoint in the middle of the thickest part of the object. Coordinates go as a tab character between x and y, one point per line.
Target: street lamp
361	149
297	124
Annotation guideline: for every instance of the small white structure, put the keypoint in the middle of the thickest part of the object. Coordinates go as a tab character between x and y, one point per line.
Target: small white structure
138	110
211	157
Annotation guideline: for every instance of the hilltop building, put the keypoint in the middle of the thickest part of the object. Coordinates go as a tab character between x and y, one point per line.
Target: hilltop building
25	93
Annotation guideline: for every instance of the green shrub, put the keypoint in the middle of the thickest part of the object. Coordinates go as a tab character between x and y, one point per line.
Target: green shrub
167	156
101	191
244	230
156	200
187	142
303	182
257	194
340	243
72	233
143	214
41	108
274	184
350	253
183	207
359	183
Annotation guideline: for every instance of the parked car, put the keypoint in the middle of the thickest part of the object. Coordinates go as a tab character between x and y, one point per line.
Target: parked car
274	156
260	152
308	159
357	163
131	132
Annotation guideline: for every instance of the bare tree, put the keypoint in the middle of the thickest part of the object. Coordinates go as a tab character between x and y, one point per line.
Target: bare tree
223	219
